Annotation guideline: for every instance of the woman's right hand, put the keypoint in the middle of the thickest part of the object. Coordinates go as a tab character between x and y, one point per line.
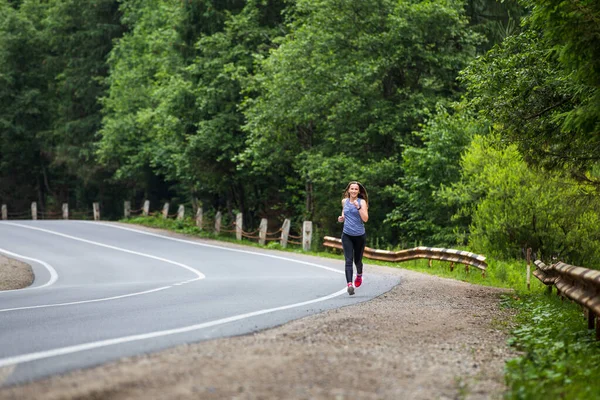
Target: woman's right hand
341	218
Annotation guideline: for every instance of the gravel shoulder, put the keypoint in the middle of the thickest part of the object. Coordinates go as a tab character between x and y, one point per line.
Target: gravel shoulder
428	338
14	274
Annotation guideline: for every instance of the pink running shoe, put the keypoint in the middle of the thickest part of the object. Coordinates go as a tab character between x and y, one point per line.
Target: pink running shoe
358	280
350	289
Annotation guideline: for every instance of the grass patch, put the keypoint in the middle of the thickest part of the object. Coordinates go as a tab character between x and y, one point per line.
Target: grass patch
560	356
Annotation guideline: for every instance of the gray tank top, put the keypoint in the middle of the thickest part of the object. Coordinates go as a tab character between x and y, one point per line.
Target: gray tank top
353	224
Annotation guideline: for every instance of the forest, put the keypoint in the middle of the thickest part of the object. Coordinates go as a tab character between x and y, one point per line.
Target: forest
472	124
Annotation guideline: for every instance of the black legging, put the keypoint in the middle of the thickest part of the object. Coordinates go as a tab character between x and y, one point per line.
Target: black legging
354	247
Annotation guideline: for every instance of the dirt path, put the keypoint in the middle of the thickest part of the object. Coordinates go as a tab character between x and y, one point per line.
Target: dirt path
428	338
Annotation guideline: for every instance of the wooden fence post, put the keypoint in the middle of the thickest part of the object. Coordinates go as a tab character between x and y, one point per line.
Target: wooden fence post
180	212
262	232
127	209
195	205
96	207
218	222
165	210
4	212
529	269
199	218
238	226
591	317
306	235
285	232
146	210
65	210
34	210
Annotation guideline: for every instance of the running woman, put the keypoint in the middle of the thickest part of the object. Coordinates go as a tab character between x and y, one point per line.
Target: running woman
355	212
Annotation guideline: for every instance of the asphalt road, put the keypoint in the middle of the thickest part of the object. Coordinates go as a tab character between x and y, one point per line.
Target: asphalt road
105	291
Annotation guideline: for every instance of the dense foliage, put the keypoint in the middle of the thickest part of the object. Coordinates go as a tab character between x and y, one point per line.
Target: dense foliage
52	62
270	107
559	357
542	86
339	98
513	207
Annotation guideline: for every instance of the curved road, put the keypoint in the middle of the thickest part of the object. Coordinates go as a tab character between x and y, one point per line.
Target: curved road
104	291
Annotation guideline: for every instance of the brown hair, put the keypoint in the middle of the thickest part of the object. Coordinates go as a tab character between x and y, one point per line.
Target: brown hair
362	192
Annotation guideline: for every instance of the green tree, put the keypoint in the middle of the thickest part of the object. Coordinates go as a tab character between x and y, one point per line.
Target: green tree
541	88
419	213
172	109
25	106
495	19
80	35
514	207
142	63
225	59
346	89
53	58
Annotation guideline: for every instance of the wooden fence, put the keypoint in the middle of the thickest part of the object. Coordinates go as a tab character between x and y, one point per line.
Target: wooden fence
283	235
582	285
34	213
432	253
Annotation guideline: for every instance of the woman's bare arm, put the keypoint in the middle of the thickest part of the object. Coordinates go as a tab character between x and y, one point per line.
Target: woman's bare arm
341	218
363	211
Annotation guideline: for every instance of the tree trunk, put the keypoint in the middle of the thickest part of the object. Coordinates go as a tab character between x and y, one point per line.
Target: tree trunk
310	204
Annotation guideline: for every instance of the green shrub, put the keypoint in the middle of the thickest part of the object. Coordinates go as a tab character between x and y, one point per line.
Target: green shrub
560	358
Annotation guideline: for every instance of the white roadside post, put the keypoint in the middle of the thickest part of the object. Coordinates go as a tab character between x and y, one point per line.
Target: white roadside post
306	235
285	232
238	226
126	209
218	223
96	207
199	218
262	232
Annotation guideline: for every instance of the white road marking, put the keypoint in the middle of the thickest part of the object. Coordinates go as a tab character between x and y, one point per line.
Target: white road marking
87	301
109	342
53	273
199	274
214	246
4	362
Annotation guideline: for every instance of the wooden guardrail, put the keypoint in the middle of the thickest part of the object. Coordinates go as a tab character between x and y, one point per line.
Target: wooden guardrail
545	274
582	285
432	253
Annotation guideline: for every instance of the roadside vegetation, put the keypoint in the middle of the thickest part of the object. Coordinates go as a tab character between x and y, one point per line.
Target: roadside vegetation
558	356
473	124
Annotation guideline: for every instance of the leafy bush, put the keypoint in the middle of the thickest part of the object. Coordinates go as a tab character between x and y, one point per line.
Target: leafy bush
514	207
560	358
